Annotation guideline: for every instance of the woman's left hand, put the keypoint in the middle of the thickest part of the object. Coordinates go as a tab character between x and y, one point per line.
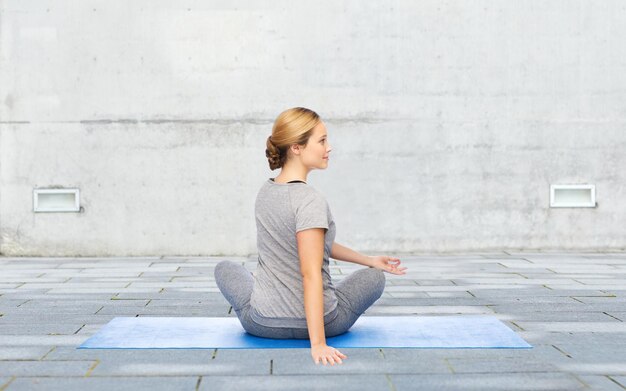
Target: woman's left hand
387	264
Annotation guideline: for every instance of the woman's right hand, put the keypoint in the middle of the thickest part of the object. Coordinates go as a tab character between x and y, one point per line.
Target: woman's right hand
387	264
326	354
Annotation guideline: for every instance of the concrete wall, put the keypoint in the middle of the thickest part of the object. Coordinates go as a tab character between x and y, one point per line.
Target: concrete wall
449	121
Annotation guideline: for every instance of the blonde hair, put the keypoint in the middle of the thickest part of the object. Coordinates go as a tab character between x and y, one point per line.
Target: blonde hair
292	126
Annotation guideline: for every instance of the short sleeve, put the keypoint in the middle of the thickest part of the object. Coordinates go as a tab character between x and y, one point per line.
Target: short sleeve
312	212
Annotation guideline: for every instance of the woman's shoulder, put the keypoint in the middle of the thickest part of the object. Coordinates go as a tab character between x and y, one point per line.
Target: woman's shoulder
307	197
298	193
305	190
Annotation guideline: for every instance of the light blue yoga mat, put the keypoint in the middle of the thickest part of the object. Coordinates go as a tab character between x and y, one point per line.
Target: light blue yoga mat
446	332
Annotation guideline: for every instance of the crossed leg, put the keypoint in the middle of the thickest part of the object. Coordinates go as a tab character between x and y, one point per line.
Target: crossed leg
355	294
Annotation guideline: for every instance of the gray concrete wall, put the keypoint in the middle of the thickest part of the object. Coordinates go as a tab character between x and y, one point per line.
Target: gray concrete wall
449	121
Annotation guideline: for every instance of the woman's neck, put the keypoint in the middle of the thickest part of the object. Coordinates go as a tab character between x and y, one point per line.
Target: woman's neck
292	173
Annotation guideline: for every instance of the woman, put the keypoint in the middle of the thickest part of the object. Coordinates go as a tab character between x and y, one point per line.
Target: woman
291	294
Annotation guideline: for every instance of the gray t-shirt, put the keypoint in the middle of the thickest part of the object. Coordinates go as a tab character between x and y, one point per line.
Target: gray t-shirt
281	210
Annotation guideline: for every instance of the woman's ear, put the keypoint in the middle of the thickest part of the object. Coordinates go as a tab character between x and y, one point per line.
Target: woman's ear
295	148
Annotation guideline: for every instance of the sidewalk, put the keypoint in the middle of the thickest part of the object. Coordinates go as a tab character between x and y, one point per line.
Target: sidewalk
570	307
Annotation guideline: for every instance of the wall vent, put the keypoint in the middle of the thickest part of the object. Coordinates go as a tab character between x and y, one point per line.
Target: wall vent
572	196
56	200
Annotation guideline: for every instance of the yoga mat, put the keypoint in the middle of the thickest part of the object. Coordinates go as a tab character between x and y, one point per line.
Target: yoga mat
465	331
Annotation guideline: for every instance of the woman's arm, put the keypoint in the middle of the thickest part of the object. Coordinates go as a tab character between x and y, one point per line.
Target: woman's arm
382	262
311	254
343	253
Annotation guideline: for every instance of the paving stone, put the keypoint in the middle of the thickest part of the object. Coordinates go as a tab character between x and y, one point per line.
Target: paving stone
69	353
126	273
561	316
74	285
537	291
41	340
439	282
596	327
413	288
203	281
204	300
126	280
145	364
77	308
45	368
11	303
608	367
483	382
586	354
111	291
583	269
616	292
90	329
169	269
110	264
508	365
539	352
190	269
531	275
406	294
202	260
449	294
34	280
7	288
596	382
23	352
196	291
390	282
619	315
602	281
57	296
43	317
259	361
188	265
359	361
123	295
601	299
514	281
554	307
104	383
458	301
522	266
38	328
504	275
620	379
96	303
23	265
586	339
388	310
175	284
299	382
531	300
545	353
9	271
582	288
205	310
167	294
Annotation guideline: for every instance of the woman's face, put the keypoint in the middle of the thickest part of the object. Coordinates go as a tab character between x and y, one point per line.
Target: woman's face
316	152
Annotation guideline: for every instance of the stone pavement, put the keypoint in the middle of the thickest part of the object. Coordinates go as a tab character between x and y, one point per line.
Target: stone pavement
570	307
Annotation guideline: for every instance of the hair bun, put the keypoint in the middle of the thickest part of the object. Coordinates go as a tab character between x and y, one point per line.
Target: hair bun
272	153
272	156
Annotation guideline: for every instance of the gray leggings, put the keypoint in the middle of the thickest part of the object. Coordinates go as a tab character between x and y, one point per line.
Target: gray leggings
355	294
